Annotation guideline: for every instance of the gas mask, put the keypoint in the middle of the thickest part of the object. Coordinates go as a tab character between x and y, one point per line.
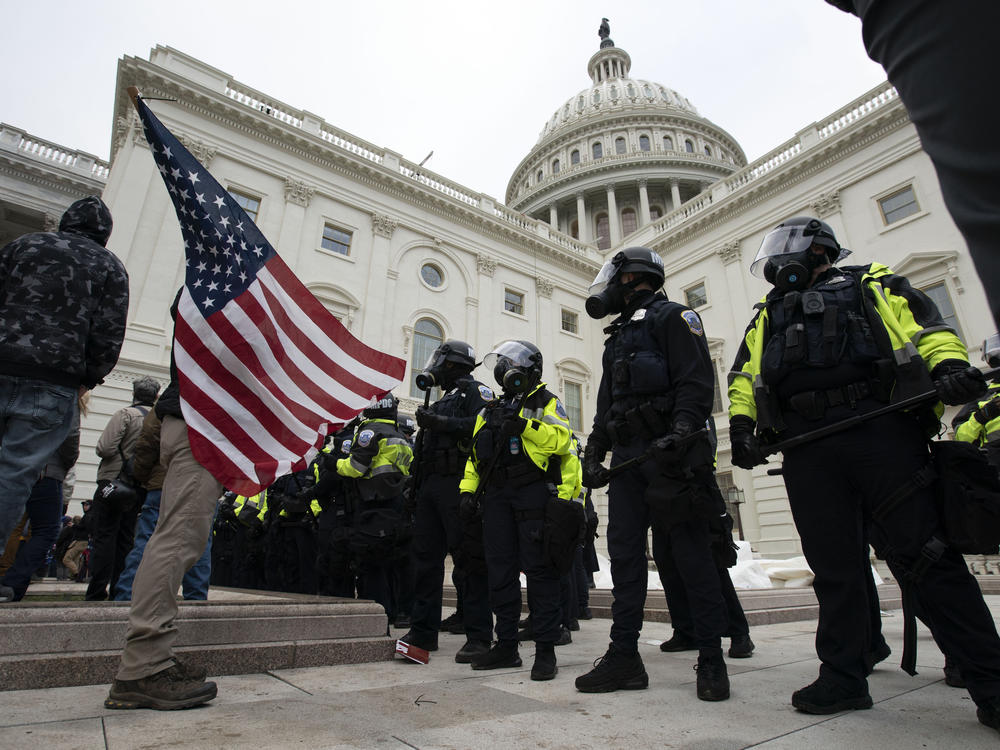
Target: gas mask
611	299
792	272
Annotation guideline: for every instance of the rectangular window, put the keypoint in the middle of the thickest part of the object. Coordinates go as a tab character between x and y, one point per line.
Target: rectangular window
513	301
899	205
570	321
336	240
574	405
940	297
696	296
247	202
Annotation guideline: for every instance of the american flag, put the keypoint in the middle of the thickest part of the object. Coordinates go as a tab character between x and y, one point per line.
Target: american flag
265	371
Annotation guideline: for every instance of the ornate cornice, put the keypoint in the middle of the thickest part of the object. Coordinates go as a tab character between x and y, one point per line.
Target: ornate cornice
486	265
200	150
543	287
826	204
730	252
383	225
298	192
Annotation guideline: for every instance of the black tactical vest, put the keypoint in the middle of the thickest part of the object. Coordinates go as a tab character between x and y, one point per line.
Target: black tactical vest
638	363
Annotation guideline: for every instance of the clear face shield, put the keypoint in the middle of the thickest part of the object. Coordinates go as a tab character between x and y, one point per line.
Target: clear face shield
991	350
511	362
608	271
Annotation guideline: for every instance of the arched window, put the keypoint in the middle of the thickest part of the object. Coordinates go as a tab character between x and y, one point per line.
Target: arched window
539	176
668	143
619	145
427	336
689	146
603	232
629	221
574	158
655	212
574	229
598	150
708	151
555	167
644	143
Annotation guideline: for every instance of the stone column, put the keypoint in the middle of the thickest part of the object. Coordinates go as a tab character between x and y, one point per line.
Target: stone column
379	290
583	228
643	203
297	197
553	216
614	222
675	195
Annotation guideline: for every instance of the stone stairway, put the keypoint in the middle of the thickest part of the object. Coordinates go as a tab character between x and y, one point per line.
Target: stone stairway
60	643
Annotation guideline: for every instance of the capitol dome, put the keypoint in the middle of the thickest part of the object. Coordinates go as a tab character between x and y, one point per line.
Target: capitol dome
619	154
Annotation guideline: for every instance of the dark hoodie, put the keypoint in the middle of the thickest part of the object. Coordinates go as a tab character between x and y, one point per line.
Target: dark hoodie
63	300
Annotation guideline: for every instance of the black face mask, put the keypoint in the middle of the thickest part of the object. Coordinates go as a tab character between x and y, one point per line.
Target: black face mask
610	300
516	380
795	273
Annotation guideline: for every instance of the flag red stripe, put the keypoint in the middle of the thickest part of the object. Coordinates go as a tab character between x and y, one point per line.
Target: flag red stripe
227	382
392	366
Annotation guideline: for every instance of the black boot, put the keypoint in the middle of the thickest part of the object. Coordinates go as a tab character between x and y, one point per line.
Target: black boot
614	671
741	647
544	667
879	653
471	650
426	642
713	679
503	655
952	675
678	642
827	697
988	713
453	624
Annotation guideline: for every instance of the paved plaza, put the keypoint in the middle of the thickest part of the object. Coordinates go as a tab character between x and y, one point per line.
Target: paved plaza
447	705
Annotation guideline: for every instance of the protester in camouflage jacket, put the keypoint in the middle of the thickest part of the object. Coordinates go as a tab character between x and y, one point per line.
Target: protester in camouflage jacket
63	300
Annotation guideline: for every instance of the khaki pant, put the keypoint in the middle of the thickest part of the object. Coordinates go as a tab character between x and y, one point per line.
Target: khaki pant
187	507
72	557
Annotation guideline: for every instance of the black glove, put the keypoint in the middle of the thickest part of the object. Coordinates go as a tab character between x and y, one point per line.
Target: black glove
427	419
988	412
594	473
468	508
746	448
958	382
670	448
513	426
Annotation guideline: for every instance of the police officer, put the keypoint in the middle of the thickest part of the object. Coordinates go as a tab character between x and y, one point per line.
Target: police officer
333	560
378	464
656	394
290	518
519	447
827	344
248	549
442	450
979	421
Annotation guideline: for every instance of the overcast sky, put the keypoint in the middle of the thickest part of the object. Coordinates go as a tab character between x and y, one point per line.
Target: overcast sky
472	81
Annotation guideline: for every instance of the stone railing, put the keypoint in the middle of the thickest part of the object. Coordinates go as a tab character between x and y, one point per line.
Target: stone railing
850	115
983	565
310	123
14	139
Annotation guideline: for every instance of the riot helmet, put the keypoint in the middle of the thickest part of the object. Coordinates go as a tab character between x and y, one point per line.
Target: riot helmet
382	408
607	292
787	258
446	364
406	425
991	350
516	365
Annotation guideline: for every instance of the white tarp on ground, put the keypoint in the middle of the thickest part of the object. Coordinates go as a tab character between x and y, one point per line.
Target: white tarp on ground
748	573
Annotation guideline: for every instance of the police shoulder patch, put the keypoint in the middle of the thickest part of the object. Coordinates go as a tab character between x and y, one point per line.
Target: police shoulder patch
560	410
365	438
693	322
639	314
346	447
486	392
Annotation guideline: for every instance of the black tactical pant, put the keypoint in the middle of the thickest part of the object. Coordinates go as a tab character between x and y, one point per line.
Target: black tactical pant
834	484
112	535
513	519
675	593
629	520
437	532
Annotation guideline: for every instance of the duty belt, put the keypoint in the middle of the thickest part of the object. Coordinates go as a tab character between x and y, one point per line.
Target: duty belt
516	475
645	421
813	404
445	461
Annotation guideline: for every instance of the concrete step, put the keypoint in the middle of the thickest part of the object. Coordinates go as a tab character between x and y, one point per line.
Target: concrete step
57	643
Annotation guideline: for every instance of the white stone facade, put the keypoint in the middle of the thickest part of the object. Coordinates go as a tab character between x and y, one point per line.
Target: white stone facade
426	254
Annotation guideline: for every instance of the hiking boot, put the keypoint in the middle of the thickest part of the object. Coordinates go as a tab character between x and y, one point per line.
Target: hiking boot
565	637
952	675
502	655
678	642
574	625
426	642
452	620
470	650
827	697
544	667
878	654
741	647
989	713
191	671
164	691
614	671
713	679
586	614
